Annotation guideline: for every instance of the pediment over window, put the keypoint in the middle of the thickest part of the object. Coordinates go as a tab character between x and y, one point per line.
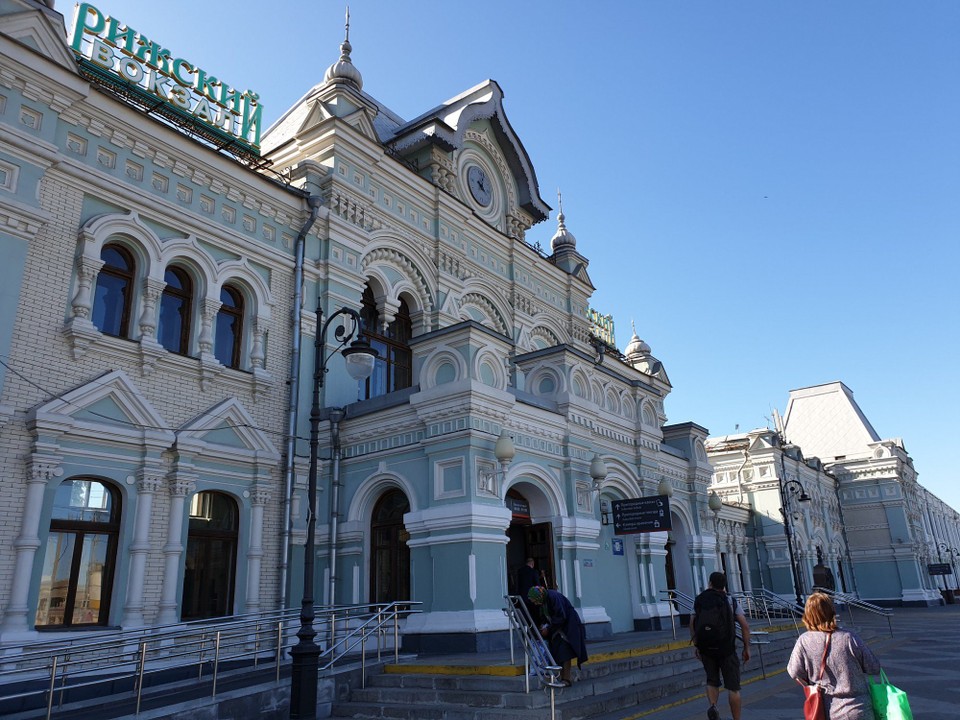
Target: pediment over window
231	428
109	406
42	31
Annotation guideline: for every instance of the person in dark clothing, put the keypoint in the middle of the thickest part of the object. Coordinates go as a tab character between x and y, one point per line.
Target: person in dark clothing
561	628
712	632
527	577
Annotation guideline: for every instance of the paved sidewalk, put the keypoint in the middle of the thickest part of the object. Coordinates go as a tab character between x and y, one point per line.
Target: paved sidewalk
922	658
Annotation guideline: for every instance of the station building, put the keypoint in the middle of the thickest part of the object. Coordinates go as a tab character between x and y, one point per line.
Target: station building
164	257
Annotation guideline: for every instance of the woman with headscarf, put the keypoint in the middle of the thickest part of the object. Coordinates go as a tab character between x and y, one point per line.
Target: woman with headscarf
561	628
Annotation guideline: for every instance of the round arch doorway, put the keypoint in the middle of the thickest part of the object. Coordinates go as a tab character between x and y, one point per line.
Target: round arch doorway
527	540
389	554
678	565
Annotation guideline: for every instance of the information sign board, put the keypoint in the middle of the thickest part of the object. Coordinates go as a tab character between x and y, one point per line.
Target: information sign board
939	569
638	515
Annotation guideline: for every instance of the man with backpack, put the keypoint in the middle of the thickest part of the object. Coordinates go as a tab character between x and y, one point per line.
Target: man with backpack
712	632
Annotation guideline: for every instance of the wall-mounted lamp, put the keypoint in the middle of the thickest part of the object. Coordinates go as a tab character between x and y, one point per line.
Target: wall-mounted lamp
664	487
504	451
714	503
598	471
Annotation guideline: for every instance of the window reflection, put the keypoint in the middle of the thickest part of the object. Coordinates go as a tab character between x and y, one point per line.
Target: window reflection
75	582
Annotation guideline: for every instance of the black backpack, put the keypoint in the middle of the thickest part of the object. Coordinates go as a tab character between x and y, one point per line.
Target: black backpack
713	628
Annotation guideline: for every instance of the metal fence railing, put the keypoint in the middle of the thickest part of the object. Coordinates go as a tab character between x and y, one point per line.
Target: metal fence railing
47	675
850	602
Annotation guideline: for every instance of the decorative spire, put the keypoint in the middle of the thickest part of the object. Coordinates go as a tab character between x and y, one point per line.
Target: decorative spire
563	237
343	69
636	349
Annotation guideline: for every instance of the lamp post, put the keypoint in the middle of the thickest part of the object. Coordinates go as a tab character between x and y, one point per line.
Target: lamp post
359	359
794	487
715	503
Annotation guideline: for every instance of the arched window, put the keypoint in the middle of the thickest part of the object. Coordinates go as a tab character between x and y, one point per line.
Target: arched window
389	554
78	566
113	296
229	331
173	331
394	365
210	568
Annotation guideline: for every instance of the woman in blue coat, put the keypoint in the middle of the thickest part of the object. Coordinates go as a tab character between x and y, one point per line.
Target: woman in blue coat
561	628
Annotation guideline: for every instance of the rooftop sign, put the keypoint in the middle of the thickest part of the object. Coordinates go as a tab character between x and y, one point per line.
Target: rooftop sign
141	70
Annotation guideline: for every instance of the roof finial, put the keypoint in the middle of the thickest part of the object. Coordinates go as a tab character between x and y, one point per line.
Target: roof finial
633	325
343	69
563	238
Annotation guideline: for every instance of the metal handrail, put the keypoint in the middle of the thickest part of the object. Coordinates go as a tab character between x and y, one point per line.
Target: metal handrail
544	666
771	606
852	601
54	668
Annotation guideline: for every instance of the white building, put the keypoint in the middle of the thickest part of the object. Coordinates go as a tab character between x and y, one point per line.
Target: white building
868	520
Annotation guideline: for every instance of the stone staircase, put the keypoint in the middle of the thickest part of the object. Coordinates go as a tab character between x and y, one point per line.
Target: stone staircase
615	680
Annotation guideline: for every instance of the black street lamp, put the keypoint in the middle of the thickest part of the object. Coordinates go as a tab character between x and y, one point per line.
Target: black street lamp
360	359
796	488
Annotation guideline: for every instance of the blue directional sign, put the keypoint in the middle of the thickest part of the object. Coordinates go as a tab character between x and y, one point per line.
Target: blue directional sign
638	515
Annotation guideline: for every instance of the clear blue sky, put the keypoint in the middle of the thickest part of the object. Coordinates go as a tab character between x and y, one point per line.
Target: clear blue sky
770	190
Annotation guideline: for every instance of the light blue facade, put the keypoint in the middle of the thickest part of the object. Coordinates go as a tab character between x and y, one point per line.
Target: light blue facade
496	339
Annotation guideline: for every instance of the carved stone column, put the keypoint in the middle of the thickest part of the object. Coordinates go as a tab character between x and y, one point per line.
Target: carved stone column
180	485
148	484
259	497
208	315
41	470
258	329
87	271
80	331
152	290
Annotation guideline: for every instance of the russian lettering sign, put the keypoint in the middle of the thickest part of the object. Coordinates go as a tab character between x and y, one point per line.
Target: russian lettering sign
638	515
140	71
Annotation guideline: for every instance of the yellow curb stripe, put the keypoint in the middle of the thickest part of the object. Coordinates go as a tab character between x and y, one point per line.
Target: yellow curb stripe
701	696
517	670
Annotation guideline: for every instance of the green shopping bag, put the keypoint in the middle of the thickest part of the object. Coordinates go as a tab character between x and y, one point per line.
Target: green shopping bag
889	702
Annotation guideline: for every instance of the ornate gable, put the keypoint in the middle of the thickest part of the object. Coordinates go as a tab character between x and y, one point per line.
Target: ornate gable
40	31
448	126
110	407
230	428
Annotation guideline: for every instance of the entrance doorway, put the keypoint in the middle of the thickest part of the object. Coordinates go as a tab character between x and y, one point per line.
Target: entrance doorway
389	554
528	540
208	575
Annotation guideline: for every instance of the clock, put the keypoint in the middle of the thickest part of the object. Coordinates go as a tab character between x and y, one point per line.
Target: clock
480	185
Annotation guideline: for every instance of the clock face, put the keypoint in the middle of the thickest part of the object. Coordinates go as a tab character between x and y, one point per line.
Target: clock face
480	186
